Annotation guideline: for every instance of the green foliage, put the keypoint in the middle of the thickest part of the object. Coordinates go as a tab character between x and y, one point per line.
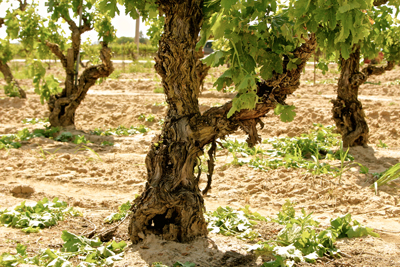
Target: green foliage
33	217
121	131
13	141
382	144
159	90
346	227
64	137
106	143
90	253
240	147
35	120
11	90
156	29
161	104
9	141
304	152
301	239
258	37
80	139
123	211
227	221
318	142
45	86
286	112
390	175
148	118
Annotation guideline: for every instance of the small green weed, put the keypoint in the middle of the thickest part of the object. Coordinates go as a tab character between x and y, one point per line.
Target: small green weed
123	211
80	139
164	103
396	82
148	118
64	137
382	144
305	152
106	143
241	147
34	120
44	153
121	131
318	142
159	90
96	156
390	175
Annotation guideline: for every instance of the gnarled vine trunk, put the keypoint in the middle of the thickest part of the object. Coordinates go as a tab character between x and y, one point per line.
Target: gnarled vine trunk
63	106
347	110
10	80
172	205
4	68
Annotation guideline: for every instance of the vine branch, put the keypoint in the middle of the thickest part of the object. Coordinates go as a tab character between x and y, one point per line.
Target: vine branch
55	48
373	70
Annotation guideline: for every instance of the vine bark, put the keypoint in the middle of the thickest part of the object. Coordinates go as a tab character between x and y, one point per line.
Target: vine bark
63	106
347	110
172	205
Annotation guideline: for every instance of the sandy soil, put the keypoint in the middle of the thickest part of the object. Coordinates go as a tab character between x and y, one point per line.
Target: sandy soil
97	187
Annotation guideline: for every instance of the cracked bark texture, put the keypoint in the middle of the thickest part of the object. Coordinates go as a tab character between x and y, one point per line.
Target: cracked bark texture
63	106
172	205
347	110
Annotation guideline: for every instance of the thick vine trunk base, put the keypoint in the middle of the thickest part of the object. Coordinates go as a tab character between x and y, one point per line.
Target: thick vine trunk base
172	205
350	122
176	216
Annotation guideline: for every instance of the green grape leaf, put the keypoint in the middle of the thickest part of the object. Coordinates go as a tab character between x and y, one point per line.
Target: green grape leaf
228	3
243	101
360	231
301	7
286	112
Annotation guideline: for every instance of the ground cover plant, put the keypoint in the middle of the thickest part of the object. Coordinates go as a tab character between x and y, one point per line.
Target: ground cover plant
33	217
13	140
300	240
121	131
311	151
88	252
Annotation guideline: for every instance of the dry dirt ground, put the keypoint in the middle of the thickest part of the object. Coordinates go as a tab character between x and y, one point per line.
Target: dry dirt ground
98	187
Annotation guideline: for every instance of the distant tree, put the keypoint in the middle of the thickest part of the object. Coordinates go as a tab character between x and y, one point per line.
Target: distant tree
63	106
124	40
143	39
12	21
359	29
